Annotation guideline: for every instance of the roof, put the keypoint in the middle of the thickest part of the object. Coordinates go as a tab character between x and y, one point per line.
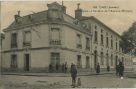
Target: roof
36	17
94	18
43	16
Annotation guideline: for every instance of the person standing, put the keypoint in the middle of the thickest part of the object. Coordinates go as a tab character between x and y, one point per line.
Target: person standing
108	68
121	69
66	67
73	74
50	67
98	68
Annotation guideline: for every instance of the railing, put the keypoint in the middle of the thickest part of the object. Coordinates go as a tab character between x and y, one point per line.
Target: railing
26	43
13	45
55	42
79	46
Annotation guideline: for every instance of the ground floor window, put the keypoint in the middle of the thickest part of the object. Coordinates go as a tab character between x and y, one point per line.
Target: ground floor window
79	62
13	61
87	62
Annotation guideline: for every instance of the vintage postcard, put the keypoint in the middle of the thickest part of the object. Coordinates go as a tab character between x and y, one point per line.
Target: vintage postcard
68	44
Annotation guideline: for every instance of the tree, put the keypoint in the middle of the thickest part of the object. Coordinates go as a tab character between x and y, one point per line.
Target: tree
128	42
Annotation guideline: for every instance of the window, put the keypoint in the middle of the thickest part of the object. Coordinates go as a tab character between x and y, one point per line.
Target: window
55	36
27	38
107	41
79	62
116	45
13	61
102	39
79	42
87	43
95	37
111	60
87	62
102	58
111	43
13	40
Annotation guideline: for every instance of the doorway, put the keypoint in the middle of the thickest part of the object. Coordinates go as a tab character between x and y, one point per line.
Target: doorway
27	62
95	59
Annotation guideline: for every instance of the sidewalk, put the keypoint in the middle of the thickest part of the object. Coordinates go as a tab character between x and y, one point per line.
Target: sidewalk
58	74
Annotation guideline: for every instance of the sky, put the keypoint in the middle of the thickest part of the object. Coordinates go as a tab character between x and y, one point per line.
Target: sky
118	21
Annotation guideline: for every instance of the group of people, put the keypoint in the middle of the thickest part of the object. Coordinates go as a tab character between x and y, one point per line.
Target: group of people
63	68
73	71
98	68
119	69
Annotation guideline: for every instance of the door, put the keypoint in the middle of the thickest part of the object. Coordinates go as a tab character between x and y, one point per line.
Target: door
55	59
27	62
79	62
95	59
107	59
87	62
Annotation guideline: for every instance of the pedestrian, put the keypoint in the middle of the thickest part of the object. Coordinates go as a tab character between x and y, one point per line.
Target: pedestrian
117	70
98	68
50	67
121	70
66	67
73	75
63	67
108	68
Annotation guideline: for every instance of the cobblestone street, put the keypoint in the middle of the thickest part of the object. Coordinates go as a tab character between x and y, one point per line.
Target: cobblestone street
89	81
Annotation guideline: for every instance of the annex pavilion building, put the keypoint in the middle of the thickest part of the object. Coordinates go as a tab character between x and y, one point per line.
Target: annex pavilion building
35	41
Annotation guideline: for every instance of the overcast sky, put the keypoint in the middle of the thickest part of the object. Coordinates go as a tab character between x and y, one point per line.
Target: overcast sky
119	21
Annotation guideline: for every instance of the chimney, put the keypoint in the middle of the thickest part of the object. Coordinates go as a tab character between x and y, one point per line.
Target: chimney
78	12
17	17
18	13
63	7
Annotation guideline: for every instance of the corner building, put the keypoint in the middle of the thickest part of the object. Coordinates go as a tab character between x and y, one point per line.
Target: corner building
35	41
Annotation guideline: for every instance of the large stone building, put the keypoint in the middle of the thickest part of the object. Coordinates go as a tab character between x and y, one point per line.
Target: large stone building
34	41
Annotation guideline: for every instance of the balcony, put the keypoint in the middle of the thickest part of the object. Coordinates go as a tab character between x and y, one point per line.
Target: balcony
88	48
26	44
79	46
55	42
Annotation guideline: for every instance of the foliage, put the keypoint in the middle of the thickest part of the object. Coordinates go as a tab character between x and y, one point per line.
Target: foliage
128	42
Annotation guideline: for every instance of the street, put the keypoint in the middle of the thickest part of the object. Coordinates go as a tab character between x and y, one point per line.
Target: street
89	81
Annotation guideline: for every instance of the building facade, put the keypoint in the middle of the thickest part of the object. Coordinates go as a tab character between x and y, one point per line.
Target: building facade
35	41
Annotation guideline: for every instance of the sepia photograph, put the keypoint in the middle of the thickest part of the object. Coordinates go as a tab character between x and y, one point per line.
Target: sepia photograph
68	44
